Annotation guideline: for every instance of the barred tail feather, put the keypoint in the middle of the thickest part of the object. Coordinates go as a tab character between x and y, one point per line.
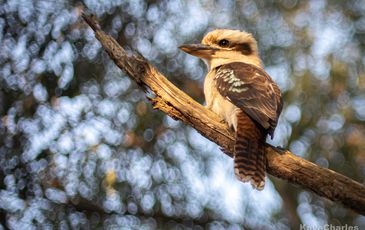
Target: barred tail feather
250	156
260	167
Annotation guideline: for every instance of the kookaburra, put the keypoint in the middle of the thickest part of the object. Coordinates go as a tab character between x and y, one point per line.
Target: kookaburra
243	94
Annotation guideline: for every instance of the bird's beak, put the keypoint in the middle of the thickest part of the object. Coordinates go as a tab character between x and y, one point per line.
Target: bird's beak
199	50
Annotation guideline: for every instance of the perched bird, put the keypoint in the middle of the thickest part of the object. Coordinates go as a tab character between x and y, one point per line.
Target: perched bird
243	94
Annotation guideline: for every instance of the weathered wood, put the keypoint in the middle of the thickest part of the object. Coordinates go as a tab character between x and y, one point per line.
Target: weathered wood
282	164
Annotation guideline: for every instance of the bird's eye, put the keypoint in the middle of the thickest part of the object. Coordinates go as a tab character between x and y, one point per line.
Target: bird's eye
223	43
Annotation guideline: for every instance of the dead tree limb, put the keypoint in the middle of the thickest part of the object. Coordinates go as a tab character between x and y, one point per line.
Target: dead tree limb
178	105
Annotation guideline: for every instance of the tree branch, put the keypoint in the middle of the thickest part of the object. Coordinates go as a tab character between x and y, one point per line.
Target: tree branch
178	105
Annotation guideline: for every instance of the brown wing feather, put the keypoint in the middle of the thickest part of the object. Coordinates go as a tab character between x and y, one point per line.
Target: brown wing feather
251	89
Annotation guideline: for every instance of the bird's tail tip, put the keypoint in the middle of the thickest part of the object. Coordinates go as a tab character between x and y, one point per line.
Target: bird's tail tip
257	183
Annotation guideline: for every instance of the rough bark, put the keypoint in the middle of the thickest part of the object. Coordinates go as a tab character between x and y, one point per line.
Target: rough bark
281	163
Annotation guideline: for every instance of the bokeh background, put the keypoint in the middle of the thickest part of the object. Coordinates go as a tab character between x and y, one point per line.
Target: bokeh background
81	147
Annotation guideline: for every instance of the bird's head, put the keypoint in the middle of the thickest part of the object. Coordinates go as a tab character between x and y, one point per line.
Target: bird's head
224	46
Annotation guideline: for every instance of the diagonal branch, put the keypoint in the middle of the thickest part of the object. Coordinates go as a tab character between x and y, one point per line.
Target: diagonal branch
178	105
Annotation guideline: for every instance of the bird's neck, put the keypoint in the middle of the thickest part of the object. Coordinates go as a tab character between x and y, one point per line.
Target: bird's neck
215	62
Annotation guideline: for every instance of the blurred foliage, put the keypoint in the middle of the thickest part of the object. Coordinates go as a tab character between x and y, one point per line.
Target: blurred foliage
81	147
